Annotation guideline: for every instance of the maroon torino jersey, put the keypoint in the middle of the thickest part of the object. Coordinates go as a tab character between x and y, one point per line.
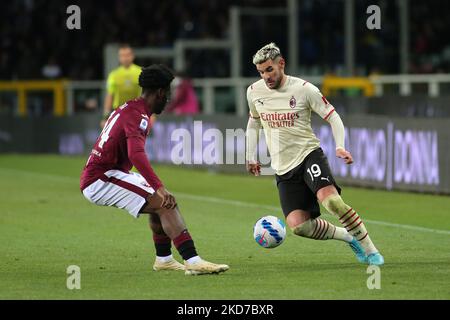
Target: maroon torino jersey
121	145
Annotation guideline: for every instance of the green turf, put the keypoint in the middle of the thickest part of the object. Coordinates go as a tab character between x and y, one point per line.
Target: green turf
47	225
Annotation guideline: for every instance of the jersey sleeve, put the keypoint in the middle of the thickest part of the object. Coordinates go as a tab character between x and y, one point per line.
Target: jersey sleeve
253	113
111	87
136	125
136	129
317	102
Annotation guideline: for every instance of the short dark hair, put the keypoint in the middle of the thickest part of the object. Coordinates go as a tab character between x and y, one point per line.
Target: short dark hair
155	77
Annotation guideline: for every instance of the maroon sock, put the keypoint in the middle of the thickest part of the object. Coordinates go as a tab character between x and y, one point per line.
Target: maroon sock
185	245
162	245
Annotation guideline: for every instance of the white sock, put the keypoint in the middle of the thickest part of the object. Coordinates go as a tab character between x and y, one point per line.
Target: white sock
164	259
194	259
350	220
354	226
342	234
320	229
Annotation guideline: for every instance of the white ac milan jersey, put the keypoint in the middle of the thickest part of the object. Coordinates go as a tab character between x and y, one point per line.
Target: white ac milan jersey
285	115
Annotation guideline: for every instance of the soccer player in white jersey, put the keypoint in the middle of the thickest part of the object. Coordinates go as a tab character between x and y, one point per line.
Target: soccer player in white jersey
282	105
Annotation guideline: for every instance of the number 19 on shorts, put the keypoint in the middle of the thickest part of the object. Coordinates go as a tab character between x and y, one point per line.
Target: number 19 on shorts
314	171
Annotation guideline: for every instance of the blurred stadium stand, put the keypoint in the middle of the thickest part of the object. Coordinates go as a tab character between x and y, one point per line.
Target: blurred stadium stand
392	85
33	33
36	45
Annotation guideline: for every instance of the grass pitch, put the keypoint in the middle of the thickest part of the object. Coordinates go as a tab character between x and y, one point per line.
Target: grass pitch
47	225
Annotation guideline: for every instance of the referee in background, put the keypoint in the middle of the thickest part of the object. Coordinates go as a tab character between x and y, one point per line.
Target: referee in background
122	84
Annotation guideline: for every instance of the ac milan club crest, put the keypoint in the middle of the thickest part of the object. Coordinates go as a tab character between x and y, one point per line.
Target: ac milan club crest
292	102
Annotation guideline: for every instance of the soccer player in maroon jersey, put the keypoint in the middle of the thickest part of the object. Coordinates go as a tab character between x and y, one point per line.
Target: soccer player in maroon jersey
106	179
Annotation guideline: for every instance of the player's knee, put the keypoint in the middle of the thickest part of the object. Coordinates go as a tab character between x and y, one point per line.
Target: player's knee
335	205
304	229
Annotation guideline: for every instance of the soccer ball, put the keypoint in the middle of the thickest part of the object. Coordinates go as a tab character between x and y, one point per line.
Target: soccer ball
269	232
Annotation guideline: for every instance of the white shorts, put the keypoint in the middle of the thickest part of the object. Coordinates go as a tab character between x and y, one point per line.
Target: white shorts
116	188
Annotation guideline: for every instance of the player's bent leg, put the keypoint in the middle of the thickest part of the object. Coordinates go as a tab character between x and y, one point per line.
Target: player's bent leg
348	217
297	217
319	229
170	219
164	259
301	224
174	226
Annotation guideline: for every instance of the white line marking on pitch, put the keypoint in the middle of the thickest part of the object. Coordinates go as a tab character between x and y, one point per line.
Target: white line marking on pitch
239	203
272	208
